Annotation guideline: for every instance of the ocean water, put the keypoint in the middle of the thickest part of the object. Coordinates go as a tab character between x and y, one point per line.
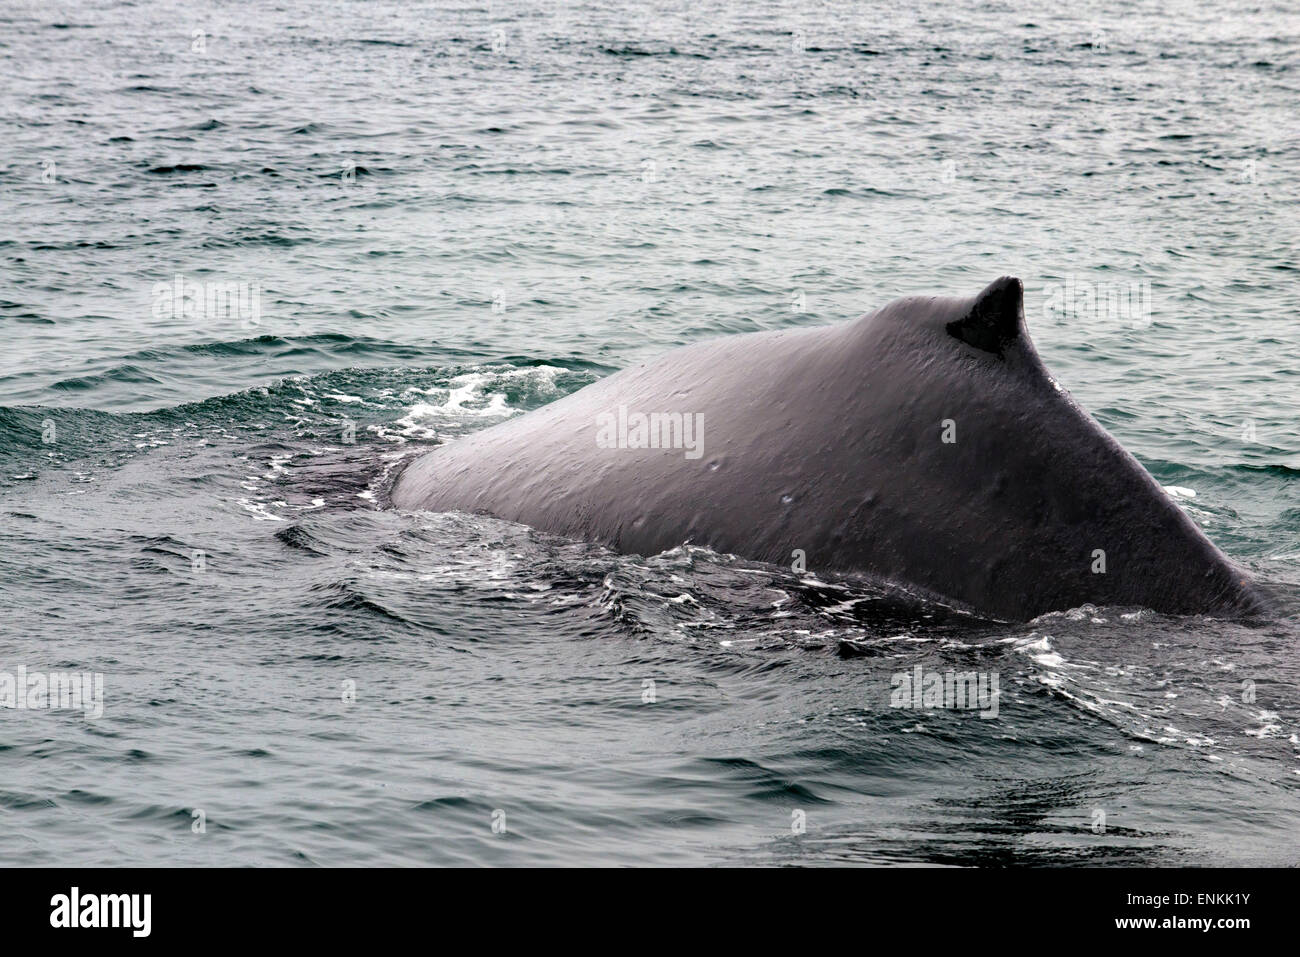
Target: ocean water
408	221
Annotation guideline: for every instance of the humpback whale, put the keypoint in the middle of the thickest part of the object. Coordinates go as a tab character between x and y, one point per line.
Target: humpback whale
923	444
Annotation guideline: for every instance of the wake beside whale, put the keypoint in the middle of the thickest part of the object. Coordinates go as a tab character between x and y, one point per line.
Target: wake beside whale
924	444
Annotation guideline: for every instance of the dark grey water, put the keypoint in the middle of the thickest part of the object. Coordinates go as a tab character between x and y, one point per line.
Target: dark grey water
438	215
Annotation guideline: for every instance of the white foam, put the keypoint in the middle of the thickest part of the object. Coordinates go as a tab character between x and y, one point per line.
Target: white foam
258	510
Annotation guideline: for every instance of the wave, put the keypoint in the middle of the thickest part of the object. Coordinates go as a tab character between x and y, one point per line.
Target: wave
386	406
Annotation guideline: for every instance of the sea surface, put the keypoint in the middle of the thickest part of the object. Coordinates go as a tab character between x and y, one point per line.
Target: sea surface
409	221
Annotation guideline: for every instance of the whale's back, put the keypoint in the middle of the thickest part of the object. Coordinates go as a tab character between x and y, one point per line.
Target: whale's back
924	443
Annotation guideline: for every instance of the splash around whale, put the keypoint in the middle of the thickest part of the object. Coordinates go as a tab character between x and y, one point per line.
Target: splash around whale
923	444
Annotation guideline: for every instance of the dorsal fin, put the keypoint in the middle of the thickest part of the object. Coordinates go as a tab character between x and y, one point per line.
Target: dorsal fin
995	319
